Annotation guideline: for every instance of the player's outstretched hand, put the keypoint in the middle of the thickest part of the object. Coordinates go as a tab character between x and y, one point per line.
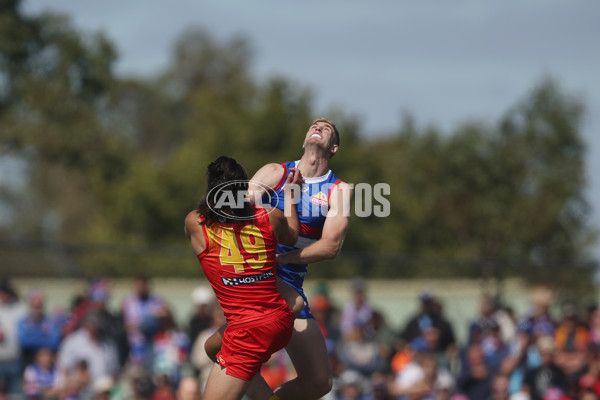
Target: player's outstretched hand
292	189
294	177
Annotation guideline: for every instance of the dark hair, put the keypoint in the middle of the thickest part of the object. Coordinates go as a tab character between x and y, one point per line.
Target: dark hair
219	172
7	287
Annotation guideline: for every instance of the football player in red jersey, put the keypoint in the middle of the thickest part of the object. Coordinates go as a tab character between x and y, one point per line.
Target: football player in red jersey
235	242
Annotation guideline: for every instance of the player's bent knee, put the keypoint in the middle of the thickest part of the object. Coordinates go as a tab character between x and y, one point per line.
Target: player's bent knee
319	380
211	351
323	386
212	346
318	386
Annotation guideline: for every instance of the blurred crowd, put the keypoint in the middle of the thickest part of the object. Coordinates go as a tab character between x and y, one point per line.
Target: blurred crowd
88	351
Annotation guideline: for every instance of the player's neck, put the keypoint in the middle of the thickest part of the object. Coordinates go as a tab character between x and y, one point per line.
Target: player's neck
313	164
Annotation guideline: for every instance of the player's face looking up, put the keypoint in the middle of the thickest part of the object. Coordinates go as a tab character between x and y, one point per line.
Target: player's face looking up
322	133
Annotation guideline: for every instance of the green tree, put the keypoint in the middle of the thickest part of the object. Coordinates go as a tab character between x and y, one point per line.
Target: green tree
116	163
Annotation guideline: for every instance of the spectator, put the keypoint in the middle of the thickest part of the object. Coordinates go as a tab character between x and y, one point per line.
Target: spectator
447	340
505	317
481	326
422	378
11	312
359	353
202	298
40	377
81	305
143	388
486	332
499	388
170	348
111	325
474	380
188	389
76	382
548	375
522	356
103	387
198	357
136	384
351	386
588	379
380	387
571	339
140	312
36	330
594	327
385	338
90	345
429	315
164	390
125	387
540	319
358	311
322	310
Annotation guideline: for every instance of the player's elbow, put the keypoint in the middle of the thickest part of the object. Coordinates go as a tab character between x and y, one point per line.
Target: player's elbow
332	251
288	240
330	255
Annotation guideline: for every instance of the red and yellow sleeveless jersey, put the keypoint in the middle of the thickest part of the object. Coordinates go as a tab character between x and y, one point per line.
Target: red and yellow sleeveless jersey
239	263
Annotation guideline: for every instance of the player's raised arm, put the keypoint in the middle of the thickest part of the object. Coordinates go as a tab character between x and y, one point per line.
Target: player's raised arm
334	231
268	177
285	223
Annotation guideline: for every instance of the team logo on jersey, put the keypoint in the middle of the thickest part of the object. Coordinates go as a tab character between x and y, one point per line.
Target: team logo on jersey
248	279
320	199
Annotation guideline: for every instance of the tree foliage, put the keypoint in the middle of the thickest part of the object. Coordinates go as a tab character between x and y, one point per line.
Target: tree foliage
117	161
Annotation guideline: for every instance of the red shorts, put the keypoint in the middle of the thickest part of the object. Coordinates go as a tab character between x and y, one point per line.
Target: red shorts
247	346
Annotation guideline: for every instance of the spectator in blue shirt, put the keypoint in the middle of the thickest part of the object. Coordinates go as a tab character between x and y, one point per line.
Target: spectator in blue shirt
36	330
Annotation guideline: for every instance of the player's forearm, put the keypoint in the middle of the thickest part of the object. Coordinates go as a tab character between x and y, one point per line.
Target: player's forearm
318	251
291	216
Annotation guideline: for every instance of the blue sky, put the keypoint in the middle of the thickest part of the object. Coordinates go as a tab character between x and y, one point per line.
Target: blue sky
445	62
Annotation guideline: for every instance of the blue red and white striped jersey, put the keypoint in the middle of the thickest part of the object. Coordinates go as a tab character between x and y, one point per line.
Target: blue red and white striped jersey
312	211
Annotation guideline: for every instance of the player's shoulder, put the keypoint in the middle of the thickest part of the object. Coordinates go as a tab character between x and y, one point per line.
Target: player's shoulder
192	220
272	168
269	175
192	216
341	193
341	186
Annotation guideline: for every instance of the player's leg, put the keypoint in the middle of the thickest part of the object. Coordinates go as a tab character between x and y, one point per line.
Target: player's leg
293	299
258	388
221	386
309	355
213	344
291	296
